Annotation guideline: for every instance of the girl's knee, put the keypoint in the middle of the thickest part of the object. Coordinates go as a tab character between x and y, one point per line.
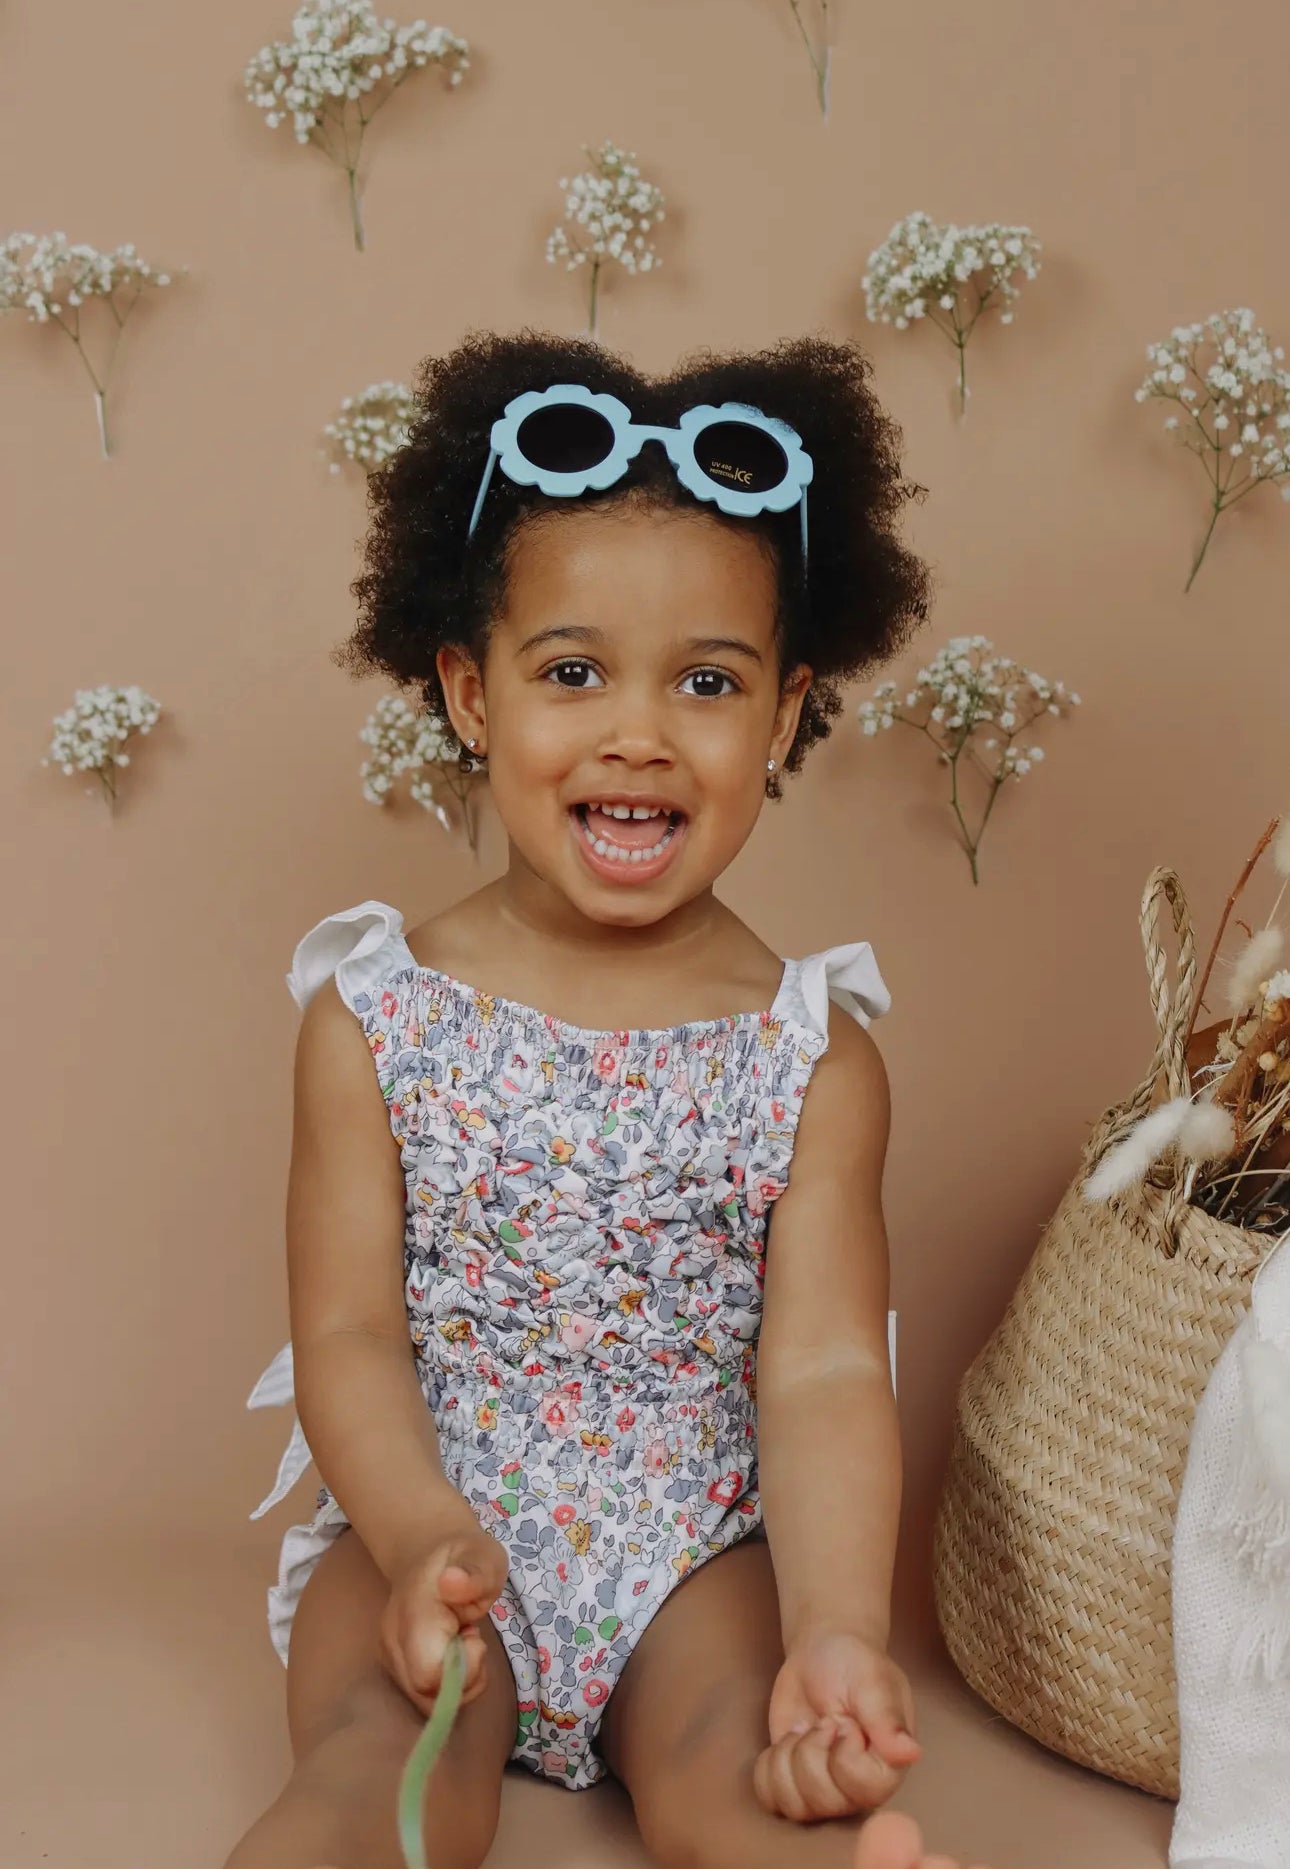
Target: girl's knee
357	1769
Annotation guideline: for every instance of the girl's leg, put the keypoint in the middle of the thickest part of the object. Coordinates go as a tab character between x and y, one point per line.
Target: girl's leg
352	1730
687	1721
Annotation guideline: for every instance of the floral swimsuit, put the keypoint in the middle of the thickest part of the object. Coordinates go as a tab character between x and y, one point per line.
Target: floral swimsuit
583	1257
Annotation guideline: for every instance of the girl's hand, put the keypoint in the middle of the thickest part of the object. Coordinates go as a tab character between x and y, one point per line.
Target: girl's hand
445	1591
841	1731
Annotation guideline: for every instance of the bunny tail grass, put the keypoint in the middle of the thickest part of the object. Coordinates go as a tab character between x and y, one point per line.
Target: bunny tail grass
426	1753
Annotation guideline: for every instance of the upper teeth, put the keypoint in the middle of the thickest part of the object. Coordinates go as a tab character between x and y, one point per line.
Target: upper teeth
629	811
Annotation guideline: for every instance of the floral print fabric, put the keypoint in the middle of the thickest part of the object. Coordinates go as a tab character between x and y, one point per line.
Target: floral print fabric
583	1263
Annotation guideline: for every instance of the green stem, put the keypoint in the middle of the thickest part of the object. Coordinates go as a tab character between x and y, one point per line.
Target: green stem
819	66
425	1755
1213	521
355	208
968	844
962	349
595	293
996	788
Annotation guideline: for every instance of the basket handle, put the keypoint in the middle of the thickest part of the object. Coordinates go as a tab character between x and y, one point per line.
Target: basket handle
1173	1008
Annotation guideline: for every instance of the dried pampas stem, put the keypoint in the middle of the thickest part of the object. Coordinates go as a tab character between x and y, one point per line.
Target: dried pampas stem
1245	876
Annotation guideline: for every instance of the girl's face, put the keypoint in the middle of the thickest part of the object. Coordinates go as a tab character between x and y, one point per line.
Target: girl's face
630	699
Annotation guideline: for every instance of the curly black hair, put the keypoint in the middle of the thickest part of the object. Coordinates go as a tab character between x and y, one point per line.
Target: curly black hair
423	585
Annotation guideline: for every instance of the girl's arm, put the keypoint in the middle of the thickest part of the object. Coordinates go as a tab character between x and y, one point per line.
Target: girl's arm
828	1435
357	1394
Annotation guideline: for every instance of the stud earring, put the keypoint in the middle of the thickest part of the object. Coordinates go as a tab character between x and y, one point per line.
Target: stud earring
472	744
770	765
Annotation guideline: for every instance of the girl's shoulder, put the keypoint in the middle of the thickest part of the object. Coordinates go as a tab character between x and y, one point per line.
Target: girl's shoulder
360	948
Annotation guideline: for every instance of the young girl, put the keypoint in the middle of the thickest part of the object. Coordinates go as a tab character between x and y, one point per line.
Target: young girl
641	1448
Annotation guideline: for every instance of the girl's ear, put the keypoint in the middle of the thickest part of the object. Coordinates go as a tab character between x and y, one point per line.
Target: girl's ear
792	694
463	692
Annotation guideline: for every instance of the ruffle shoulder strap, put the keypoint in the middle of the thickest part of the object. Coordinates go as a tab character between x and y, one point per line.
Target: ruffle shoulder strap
360	946
848	975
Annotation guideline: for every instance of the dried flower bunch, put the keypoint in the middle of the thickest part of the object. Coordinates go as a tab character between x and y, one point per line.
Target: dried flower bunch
90	736
340	65
821	55
610	212
424	747
54	281
974	705
948	275
1229	386
1234	1130
371	426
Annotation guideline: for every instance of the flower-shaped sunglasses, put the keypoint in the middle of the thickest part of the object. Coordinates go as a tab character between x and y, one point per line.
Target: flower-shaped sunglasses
566	440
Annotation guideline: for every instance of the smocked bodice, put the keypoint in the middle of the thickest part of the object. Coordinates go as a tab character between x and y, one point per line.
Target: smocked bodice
585	1209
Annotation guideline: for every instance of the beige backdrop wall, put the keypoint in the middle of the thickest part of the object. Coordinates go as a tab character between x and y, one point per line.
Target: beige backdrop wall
150	1034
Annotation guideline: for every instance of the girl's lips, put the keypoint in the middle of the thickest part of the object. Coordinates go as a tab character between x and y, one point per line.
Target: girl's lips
614	869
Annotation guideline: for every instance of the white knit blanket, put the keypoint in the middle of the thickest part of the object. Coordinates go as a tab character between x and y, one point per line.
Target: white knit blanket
1231	1598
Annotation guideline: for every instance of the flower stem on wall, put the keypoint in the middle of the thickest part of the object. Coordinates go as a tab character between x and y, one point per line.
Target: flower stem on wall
821	59
356	209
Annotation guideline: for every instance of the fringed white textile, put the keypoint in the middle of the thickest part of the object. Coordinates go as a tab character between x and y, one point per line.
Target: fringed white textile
1231	1598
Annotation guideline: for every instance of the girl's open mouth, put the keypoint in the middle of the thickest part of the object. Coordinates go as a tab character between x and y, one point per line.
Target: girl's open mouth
627	843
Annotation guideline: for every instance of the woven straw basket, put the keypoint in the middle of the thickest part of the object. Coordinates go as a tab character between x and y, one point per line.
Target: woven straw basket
1054	1531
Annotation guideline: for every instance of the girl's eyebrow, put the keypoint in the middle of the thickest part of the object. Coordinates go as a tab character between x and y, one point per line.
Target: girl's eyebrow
589	636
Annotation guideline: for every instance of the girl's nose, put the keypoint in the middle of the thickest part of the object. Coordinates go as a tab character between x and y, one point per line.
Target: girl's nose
638	734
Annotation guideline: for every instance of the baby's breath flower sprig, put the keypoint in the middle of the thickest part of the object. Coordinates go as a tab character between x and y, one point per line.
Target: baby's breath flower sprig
371	426
610	211
821	56
338	68
91	735
424	747
54	281
975	705
1234	399
948	275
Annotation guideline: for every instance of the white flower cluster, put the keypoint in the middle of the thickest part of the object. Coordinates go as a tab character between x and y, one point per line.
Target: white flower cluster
611	210
90	736
404	742
339	49
921	267
1227	379
46	276
966	688
372	425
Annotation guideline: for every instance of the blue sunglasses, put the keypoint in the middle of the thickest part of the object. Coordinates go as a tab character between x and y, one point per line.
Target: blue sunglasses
566	440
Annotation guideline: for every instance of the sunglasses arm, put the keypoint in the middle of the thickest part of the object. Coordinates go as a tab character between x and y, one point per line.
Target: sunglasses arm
803	509
483	489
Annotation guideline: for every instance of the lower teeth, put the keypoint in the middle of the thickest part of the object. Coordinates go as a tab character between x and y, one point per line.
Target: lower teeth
620	853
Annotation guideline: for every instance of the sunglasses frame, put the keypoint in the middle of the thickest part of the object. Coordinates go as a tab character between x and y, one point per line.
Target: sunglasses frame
629	438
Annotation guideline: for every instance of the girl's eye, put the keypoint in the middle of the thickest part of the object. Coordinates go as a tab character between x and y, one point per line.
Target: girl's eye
710	676
582	670
578	674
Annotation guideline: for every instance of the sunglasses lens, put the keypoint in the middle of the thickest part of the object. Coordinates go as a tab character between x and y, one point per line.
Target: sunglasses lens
737	455
565	438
